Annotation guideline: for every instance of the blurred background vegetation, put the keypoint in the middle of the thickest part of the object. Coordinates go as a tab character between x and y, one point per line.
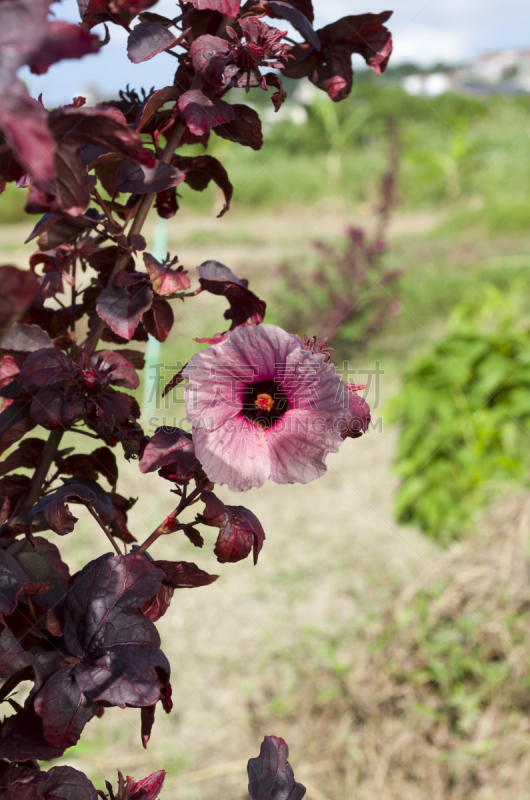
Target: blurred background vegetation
391	676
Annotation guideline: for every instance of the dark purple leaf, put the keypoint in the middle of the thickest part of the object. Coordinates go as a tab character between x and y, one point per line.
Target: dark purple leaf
54	508
159	319
57	409
272	79
178	575
100	126
67	783
270	776
119	649
240	532
27	455
122	309
26	339
63	708
21	738
200	170
166	204
228	7
155	100
44	367
244	304
19	289
13	657
14	582
15	421
210	55
102	504
61	40
244	129
297	19
115	369
214	513
147	39
201	112
135	179
56	229
42	563
121	13
164	280
169	447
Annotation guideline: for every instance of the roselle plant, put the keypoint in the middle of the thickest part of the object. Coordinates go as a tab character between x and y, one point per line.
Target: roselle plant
264	404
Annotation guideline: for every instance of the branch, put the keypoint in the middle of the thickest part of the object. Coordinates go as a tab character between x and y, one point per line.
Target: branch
39	476
107	533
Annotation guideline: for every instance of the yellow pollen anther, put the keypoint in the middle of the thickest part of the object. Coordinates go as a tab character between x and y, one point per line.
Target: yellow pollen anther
264	401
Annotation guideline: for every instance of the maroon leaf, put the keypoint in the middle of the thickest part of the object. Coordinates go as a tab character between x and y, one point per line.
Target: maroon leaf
67	783
135	179
297	19
270	776
214	510
21	738
27	455
240	533
271	79
56	229
119	649
26	339
121	12
166	204
147	39
42	563
170	447
19	289
57	409
44	367
102	126
245	128
331	68
122	309
244	304
165	281
63	708
178	575
14	658
54	508
210	55
159	319
201	112
155	100
14	582
228	7
61	40
112	367
15	421
200	170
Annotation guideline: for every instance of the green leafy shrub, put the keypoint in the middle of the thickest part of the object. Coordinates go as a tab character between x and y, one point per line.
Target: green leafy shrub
464	410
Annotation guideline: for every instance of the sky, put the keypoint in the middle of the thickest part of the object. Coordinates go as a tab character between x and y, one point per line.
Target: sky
425	32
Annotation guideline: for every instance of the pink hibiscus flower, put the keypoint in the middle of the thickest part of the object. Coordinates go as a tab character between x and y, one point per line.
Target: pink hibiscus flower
264	407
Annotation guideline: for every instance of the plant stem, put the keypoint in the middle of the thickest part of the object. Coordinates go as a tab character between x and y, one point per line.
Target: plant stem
168	525
136	227
107	533
39	476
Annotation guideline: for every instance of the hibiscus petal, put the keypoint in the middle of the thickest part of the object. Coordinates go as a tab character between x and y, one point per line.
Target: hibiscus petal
299	444
236	454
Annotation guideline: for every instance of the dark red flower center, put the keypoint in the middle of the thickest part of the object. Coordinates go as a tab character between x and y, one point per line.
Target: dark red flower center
264	403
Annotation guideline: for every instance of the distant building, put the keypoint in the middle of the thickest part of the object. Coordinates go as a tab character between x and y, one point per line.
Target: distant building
503	72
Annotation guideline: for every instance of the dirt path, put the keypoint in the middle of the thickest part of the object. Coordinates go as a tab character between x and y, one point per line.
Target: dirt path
332	551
